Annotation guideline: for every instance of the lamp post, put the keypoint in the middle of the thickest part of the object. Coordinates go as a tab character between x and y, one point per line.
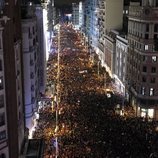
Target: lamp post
99	67
104	80
58	89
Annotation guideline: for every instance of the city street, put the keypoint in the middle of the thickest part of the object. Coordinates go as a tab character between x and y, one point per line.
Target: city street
89	125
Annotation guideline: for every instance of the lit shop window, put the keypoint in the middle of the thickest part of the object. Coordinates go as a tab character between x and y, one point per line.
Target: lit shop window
151	113
151	93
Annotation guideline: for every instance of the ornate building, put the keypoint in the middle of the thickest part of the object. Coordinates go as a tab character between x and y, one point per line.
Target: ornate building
142	58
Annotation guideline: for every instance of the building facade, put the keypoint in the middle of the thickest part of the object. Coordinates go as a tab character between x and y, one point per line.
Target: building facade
108	60
41	49
3	126
11	88
107	21
75	15
120	62
30	59
142	67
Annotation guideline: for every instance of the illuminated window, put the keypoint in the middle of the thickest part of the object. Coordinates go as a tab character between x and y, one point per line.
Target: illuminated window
143	90
1	83
146	47
151	93
154	58
151	113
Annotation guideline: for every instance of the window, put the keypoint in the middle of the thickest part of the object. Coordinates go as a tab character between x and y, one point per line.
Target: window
146	47
32	87
147	27
33	100
33	30
1	83
2	136
156	44
154	58
143	91
2	119
144	58
153	69
32	75
151	93
0	65
1	101
153	80
155	36
155	27
143	79
0	42
144	69
2	155
146	36
2	4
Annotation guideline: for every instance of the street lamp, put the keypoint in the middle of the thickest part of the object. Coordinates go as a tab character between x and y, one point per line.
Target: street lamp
99	67
104	80
58	86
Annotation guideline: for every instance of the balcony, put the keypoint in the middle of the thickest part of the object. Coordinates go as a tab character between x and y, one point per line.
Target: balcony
101	47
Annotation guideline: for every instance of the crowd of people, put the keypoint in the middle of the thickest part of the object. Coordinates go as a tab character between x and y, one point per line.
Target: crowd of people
89	126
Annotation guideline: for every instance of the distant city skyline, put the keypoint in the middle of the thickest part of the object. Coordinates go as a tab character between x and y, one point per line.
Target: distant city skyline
65	2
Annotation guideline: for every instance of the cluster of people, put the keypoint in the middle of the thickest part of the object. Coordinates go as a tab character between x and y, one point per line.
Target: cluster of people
89	127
